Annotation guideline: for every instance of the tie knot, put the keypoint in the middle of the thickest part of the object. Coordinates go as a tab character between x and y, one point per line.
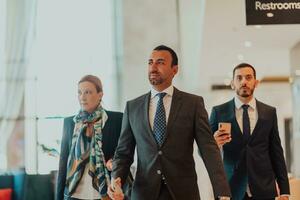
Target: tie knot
245	107
161	95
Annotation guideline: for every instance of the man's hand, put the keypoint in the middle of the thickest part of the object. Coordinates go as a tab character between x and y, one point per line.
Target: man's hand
114	189
224	198
222	137
108	164
283	198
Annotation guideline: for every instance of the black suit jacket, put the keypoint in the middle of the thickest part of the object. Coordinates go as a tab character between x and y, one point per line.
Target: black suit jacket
262	157
187	122
111	133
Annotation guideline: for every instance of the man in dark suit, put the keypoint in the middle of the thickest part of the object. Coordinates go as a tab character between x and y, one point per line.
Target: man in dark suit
162	125
252	153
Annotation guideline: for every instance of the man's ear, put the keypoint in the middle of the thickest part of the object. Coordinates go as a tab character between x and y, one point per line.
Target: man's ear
232	85
257	82
175	69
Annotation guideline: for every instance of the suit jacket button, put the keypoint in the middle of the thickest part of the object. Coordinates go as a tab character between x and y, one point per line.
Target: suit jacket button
158	172
160	153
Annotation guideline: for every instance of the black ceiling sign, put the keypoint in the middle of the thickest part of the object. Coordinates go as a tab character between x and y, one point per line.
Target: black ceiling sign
272	12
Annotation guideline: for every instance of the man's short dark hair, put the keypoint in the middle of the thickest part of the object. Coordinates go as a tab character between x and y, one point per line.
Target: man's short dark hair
171	51
244	65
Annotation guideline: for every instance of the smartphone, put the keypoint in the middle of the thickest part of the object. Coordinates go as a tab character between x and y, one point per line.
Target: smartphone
225	127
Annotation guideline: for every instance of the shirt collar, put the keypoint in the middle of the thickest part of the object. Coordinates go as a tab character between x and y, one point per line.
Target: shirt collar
238	103
169	91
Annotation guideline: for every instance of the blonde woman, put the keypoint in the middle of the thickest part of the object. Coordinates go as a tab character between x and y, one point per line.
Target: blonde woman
88	145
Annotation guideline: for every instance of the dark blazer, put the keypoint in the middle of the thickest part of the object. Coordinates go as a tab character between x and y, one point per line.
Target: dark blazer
111	133
187	122
261	158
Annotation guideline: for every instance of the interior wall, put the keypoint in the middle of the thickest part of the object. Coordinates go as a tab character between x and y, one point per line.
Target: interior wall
146	24
224	36
295	73
2	39
191	19
3	163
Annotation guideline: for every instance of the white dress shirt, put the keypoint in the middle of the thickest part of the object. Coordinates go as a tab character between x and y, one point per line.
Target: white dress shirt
154	100
252	112
85	189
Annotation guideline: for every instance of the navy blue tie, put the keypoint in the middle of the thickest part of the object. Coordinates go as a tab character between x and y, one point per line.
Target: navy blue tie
246	122
160	124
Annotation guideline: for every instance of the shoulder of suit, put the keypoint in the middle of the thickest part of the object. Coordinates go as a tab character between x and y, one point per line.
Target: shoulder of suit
69	125
223	105
114	114
265	106
69	119
187	95
138	99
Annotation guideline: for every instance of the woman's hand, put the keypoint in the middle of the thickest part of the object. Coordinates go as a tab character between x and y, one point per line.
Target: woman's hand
114	189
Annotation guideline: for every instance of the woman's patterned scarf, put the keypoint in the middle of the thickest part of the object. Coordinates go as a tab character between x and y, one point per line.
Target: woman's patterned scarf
86	149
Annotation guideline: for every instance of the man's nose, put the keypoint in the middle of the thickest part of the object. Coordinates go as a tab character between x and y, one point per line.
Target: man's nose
244	81
82	96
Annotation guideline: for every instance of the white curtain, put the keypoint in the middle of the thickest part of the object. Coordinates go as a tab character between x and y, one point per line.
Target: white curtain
18	37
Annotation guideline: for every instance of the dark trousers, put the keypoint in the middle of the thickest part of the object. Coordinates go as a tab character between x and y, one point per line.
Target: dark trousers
251	198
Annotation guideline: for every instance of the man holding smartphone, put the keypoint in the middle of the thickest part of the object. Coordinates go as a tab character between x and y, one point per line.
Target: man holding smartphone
246	131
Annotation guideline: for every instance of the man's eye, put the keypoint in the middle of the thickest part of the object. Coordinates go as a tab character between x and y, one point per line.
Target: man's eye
248	77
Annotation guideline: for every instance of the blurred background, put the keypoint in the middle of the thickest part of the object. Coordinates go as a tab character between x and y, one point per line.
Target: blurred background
46	46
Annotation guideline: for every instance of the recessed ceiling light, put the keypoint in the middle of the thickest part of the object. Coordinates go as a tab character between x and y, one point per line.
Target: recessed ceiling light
248	44
258	26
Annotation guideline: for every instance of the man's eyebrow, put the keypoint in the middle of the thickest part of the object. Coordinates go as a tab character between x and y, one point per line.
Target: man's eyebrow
159	59
244	75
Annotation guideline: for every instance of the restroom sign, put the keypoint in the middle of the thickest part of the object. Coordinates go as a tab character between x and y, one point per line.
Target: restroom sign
272	12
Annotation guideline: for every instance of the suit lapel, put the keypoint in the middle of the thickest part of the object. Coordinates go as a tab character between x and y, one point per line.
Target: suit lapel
174	110
232	118
145	116
260	119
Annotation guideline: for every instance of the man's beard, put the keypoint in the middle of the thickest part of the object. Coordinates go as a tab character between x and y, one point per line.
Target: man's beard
241	93
156	80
